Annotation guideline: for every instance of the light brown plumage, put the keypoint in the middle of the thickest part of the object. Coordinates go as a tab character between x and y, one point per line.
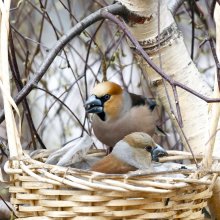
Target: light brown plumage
112	165
134	152
119	113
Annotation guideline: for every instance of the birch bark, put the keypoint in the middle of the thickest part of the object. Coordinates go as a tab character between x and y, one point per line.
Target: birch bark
215	125
176	63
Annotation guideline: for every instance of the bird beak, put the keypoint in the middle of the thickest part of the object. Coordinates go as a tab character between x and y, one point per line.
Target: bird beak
157	152
93	105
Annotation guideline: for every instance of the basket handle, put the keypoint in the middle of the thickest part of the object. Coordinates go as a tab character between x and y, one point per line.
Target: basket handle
13	134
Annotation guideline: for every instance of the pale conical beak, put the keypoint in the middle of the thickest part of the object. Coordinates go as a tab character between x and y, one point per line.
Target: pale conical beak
157	152
93	105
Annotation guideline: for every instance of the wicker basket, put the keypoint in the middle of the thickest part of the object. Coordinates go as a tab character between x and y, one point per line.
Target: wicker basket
42	191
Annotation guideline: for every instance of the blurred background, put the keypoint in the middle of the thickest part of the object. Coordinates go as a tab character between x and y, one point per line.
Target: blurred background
56	114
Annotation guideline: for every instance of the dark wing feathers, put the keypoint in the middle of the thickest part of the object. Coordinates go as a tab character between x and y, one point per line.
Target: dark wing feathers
141	100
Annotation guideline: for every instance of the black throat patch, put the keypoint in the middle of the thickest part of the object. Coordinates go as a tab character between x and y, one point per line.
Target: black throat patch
101	116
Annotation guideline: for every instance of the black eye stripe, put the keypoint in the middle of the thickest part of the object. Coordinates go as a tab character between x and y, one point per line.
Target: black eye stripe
148	148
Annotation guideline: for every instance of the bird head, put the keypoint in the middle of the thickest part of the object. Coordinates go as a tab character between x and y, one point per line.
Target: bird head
106	101
141	140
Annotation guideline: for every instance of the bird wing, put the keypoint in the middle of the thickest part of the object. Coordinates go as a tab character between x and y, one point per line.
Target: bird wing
142	100
138	100
112	165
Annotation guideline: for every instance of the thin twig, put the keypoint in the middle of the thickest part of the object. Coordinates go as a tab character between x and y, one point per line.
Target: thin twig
19	84
192	7
175	5
77	29
8	207
85	68
213	49
58	99
179	116
146	57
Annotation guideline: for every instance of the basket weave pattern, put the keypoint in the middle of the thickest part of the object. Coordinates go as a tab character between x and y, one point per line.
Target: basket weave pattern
42	191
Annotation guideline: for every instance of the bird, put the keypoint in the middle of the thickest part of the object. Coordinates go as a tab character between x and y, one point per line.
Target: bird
135	151
118	113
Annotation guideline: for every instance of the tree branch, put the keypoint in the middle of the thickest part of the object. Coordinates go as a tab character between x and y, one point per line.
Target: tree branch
146	57
77	29
103	13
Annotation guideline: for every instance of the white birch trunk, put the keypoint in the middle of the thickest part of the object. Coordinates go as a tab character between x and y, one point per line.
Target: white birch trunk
176	63
215	125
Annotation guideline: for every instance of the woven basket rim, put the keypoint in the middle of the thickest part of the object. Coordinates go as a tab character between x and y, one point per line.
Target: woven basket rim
161	182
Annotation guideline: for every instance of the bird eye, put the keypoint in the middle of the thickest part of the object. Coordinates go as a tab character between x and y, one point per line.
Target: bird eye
106	97
148	148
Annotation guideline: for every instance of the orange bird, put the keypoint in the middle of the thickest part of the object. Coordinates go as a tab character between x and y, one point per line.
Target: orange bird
118	113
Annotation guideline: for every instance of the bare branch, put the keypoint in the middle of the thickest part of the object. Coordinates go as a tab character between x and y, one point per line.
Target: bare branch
77	29
152	64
